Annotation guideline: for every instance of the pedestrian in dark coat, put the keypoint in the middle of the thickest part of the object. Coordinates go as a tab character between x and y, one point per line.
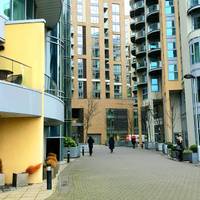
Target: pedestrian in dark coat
111	144
180	147
90	145
133	140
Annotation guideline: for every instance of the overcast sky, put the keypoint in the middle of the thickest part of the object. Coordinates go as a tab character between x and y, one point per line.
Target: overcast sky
127	7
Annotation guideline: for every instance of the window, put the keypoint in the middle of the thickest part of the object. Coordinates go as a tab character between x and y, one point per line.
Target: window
80	10
81	40
116	48
117	91
195	53
172	72
154	85
95	69
95	41
117	73
82	92
171	46
96	90
107	87
144	93
94	10
169	7
81	68
115	18
171	29
196	22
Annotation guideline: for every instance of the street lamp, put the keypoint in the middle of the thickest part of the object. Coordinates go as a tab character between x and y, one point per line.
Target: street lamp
194	78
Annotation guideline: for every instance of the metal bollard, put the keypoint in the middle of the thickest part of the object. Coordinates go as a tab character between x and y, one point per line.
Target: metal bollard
68	156
49	178
82	150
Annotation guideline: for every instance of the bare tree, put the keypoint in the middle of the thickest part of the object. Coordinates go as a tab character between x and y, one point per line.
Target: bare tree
89	114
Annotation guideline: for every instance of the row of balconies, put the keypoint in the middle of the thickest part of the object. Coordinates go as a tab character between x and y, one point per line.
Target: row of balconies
193	6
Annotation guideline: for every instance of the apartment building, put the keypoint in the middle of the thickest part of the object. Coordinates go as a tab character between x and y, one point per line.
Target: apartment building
157	60
99	70
34	82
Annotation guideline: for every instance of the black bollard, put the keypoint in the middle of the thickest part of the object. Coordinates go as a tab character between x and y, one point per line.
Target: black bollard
82	150
49	178
68	156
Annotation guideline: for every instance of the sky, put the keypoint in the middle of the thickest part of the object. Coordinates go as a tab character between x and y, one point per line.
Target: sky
127	7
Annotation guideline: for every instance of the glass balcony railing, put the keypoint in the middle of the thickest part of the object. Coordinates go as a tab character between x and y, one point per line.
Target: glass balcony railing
155	65
15	72
140	34
139	4
141	64
154	27
153	8
154	46
193	3
139	19
140	49
142	80
52	88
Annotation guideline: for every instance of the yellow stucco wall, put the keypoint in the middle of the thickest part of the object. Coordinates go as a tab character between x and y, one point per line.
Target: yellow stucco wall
22	139
21	145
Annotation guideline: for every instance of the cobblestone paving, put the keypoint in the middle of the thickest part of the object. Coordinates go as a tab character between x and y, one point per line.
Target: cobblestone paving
128	174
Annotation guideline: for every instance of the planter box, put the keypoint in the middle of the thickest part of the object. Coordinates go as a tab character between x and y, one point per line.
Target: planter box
164	146
186	156
2	179
74	152
194	158
151	145
20	179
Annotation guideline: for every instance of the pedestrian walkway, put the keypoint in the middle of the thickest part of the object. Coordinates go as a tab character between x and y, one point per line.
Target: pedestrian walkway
32	192
128	174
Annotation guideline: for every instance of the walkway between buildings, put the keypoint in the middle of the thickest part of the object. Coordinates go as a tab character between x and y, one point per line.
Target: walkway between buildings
128	174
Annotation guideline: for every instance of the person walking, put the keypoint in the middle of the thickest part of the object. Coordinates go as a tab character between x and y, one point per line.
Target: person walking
180	148
90	145
133	140
111	144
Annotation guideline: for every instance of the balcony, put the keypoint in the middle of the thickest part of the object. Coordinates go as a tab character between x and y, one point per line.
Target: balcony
49	10
193	7
139	7
139	22
2	32
133	50
53	103
154	49
141	50
132	24
155	67
140	36
135	88
154	31
153	13
135	101
17	97
141	66
132	37
142	81
151	2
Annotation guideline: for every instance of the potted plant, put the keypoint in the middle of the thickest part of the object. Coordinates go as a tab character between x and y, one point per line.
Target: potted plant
187	155
173	152
72	146
2	176
194	155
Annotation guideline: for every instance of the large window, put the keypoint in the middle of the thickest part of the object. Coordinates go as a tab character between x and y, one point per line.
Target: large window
154	85
196	21
116	48
80	10
96	90
94	9
117	91
195	53
169	7
171	46
117	73
172	72
81	40
81	68
95	69
171	29
95	41
115	18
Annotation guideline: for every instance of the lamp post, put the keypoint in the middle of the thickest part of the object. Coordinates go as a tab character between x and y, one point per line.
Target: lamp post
194	78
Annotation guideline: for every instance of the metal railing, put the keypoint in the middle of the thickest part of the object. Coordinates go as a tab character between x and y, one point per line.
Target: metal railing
15	72
153	8
192	3
154	27
154	46
139	4
52	88
155	65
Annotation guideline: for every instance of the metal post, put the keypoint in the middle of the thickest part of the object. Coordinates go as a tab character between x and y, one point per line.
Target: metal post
82	150
196	115
49	178
68	156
